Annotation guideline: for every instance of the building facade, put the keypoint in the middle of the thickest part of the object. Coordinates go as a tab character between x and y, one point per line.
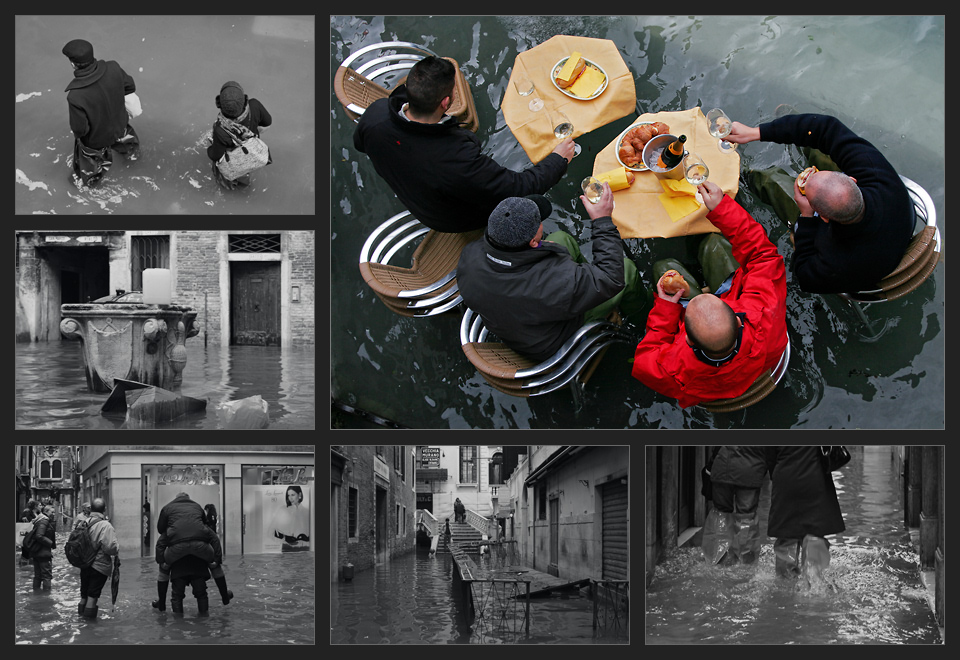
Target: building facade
472	473
262	493
372	505
247	286
48	473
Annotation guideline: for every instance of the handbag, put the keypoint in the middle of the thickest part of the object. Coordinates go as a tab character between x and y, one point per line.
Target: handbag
834	457
249	153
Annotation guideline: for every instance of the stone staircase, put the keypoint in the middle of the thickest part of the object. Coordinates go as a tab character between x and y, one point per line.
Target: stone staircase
463	534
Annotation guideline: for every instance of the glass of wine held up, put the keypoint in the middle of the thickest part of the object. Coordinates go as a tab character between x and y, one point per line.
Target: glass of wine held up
562	126
694	169
720	127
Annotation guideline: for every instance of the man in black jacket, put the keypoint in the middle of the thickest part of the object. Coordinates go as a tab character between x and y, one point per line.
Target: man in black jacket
436	168
98	116
535	293
45	541
854	225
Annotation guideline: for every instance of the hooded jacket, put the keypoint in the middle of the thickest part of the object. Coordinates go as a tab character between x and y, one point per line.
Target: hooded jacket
439	171
45	537
181	520
534	299
803	499
98	116
664	361
830	257
104	537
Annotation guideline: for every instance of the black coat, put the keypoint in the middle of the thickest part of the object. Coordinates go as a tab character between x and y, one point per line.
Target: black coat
257	117
98	115
740	466
803	498
439	171
182	520
534	299
45	539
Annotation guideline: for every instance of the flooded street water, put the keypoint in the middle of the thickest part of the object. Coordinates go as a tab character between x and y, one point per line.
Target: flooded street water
869	71
876	595
51	390
273	604
411	600
178	64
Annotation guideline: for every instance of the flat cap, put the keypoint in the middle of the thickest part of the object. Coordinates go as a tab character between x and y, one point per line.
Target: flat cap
79	51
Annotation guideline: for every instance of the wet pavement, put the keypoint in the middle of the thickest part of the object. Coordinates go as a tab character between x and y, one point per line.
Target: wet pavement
273	604
51	390
872	592
178	64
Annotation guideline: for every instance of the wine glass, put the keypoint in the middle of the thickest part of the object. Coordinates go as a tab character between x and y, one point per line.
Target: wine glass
720	127
694	169
592	189
525	87
562	127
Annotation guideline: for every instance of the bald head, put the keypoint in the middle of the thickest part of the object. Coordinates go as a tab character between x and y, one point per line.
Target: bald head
711	324
835	196
98	505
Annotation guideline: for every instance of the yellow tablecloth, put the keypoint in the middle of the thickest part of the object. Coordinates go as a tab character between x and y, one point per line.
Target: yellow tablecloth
532	129
639	212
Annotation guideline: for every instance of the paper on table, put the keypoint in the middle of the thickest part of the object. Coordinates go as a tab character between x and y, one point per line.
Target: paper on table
679	198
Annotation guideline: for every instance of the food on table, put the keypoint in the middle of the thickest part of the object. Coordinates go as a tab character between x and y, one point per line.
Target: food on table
672	281
587	83
631	146
618	178
802	179
571	70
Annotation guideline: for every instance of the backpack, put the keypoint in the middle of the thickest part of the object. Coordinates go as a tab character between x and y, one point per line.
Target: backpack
249	153
79	549
29	542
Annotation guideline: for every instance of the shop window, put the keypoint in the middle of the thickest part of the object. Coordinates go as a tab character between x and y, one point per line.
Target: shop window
468	465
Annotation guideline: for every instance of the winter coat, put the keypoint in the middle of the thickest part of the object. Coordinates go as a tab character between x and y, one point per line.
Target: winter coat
803	499
830	257
664	361
104	538
181	520
740	466
45	538
98	116
534	299
188	568
257	117
439	171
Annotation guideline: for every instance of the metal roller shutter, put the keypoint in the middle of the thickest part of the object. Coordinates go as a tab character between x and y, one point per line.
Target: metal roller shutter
615	554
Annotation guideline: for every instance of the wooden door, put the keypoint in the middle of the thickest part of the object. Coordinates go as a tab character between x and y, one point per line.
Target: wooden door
255	303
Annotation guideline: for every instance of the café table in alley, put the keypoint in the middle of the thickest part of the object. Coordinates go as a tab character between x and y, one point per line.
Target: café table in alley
639	211
532	129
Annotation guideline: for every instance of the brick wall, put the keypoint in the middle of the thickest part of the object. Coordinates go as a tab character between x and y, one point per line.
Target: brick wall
198	273
301	252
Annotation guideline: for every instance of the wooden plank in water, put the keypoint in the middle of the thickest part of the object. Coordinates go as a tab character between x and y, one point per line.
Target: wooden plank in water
541	583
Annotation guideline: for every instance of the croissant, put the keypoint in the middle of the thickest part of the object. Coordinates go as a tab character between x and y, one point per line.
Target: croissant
628	155
672	281
660	128
645	132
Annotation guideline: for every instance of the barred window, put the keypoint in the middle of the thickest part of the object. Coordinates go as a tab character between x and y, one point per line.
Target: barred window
254	243
147	252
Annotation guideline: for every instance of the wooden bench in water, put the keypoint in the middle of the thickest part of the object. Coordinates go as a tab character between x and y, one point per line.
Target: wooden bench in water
541	584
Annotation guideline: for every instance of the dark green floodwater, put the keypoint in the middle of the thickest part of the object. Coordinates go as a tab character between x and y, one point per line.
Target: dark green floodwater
882	76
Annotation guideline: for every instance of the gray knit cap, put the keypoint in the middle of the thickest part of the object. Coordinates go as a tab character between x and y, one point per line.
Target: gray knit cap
516	219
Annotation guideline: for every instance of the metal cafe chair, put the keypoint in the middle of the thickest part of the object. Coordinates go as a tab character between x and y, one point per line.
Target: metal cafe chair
429	286
761	387
356	80
511	373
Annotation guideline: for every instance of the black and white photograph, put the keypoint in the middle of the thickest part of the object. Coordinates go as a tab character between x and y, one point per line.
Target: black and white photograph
163	544
163	329
479	544
165	115
795	545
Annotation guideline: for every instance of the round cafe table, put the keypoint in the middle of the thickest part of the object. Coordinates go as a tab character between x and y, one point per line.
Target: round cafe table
639	211
532	129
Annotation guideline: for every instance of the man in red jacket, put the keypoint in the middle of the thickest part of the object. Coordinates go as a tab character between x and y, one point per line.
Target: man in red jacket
98	115
718	345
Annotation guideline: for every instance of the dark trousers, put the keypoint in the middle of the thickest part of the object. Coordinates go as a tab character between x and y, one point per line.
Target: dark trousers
42	570
179	590
91	582
90	165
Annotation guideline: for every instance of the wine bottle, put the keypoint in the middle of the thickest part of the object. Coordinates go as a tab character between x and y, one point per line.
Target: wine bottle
672	155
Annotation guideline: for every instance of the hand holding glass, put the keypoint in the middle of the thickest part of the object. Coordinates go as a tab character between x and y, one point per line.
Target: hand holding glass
720	127
592	189
694	169
562	126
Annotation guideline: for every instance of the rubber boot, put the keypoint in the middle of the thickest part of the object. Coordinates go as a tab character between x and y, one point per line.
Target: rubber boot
45	585
161	602
81	606
37	583
90	612
176	605
203	605
225	594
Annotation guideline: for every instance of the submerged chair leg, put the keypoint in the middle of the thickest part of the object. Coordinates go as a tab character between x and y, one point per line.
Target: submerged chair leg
872	333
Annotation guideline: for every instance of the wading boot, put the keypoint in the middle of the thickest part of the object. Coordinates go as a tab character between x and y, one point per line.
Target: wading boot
37	582
45	585
90	612
81	606
203	605
161	602
225	594
176	605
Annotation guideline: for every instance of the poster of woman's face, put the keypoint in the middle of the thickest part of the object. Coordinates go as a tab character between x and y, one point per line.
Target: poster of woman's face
284	517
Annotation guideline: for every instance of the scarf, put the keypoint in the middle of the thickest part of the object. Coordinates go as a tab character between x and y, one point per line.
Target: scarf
234	126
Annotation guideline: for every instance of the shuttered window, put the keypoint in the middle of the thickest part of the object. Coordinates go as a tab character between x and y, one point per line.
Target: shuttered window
615	555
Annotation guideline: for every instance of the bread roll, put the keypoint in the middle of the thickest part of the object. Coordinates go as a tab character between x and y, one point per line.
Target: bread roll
672	281
577	70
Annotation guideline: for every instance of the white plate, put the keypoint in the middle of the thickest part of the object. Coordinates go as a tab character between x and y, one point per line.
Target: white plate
559	65
639	167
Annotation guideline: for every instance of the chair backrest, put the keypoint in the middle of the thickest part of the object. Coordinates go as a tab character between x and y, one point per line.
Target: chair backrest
760	388
919	259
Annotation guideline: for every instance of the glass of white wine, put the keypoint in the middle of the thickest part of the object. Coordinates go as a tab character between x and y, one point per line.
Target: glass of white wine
562	126
694	169
592	189
720	127
525	87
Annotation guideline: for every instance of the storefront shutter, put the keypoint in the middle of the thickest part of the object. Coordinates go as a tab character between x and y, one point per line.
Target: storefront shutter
615	555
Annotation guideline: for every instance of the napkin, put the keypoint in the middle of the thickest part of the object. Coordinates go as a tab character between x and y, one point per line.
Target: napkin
617	178
679	198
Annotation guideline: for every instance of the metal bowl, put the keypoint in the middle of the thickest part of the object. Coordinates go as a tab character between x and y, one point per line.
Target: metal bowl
658	142
559	65
639	167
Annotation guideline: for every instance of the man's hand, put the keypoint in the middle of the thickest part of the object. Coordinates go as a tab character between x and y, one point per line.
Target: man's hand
806	210
675	298
602	208
566	149
741	133
711	193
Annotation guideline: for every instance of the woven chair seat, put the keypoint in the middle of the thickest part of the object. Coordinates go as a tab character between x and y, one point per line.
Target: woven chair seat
759	389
